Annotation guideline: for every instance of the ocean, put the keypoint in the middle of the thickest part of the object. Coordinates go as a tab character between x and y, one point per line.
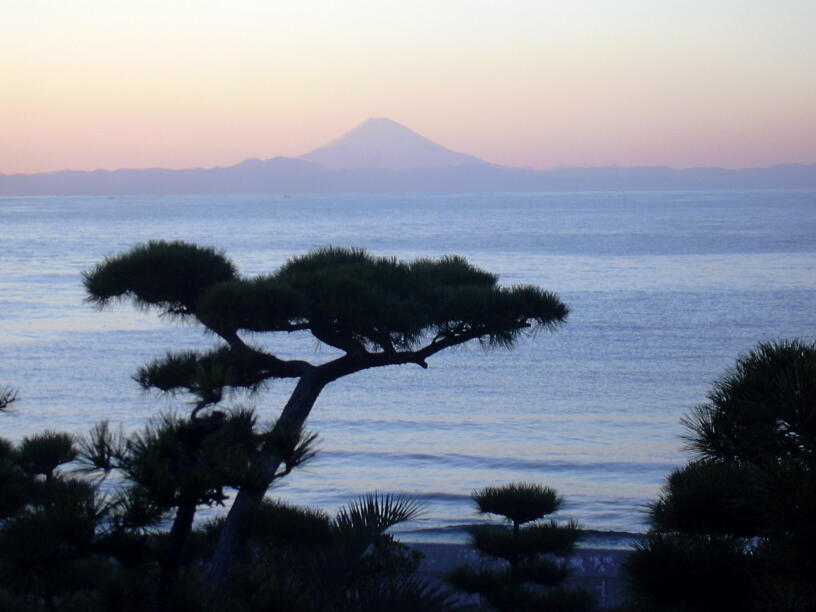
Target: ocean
665	289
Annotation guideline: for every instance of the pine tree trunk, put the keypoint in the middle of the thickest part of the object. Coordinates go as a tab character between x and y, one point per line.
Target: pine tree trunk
231	546
171	560
189	440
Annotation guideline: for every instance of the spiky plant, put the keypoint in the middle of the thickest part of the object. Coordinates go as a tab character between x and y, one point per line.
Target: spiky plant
375	513
527	555
365	557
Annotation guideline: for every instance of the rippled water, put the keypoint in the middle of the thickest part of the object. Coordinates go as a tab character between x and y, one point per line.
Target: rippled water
665	289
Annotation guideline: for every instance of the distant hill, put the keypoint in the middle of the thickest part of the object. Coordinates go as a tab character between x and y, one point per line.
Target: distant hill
382	156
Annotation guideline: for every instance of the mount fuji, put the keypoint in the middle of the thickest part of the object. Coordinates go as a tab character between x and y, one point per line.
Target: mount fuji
384	144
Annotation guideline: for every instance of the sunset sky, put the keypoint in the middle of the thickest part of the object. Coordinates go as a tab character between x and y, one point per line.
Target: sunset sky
111	83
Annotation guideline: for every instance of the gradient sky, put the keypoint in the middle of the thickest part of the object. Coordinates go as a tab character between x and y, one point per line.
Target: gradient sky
110	84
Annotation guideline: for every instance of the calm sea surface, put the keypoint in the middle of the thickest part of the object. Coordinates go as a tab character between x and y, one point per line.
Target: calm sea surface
665	290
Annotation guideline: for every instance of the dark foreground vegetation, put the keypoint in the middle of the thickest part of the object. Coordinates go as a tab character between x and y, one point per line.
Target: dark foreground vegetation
69	543
107	521
104	522
736	528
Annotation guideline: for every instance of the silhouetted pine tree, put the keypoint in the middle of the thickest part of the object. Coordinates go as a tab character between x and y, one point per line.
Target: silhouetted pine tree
376	311
527	556
734	529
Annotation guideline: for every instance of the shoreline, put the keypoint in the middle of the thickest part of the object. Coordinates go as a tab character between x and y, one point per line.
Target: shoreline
593	539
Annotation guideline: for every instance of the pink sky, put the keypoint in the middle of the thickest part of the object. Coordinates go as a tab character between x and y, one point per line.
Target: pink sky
110	84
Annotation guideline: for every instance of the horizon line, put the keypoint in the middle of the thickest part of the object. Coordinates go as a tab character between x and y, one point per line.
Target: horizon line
528	168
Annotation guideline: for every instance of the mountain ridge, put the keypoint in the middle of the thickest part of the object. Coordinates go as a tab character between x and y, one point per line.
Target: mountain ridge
382	156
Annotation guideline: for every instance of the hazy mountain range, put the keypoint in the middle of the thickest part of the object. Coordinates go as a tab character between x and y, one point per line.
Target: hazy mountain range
382	156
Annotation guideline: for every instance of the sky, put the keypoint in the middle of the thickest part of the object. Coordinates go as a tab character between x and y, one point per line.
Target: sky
88	84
